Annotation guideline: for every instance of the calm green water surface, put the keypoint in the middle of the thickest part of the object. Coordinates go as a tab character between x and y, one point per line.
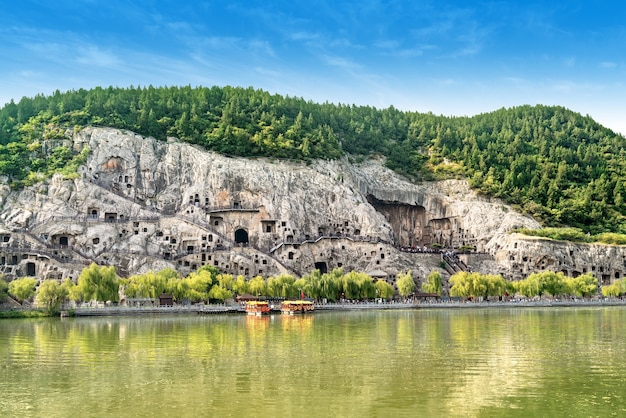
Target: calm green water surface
482	362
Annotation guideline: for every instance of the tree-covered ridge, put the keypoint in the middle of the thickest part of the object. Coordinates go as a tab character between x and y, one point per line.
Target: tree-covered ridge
561	167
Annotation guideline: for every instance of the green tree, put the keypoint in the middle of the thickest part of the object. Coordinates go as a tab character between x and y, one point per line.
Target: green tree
311	284
226	281
584	285
23	288
433	283
257	286
4	288
613	290
329	286
365	283
99	283
198	285
466	284
497	285
528	288
147	285
405	284
461	285
384	290
240	285
179	288
337	278
51	295
282	286
549	282
70	288
350	285
223	288
217	292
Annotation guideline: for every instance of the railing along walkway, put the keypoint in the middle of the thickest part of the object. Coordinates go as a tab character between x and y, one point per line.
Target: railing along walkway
353	238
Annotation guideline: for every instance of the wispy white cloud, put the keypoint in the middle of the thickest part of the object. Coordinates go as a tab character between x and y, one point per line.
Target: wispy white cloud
341	62
447	82
569	62
456	32
30	74
434	30
94	56
515	81
387	44
178	26
213	42
344	43
44	49
304	36
472	39
267	72
570	87
607	64
540	20
71	50
261	47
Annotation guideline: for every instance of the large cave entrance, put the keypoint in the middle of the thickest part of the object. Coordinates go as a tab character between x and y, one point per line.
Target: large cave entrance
241	236
408	222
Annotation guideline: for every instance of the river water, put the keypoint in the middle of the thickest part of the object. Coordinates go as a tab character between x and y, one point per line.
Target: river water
458	362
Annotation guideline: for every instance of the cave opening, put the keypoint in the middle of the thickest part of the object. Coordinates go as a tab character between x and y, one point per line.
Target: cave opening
408	222
30	269
321	266
241	236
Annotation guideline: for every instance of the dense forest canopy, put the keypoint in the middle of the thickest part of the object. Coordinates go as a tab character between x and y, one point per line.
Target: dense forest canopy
559	166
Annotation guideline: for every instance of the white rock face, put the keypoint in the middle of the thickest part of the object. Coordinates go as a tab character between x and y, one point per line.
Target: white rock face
520	255
141	205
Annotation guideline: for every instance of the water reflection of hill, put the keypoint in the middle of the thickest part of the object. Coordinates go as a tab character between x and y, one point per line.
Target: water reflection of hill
455	362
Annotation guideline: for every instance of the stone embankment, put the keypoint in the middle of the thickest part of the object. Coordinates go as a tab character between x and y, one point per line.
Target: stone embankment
238	309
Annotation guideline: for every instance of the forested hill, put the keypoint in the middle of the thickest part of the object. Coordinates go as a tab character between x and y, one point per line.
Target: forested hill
561	167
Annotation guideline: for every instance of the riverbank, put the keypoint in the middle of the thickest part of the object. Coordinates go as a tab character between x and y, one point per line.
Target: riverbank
237	309
24	313
346	306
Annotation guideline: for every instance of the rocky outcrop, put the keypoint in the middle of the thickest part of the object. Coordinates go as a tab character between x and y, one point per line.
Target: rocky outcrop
518	255
142	204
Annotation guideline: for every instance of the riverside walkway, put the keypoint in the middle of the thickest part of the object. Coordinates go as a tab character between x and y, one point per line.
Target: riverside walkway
155	310
346	306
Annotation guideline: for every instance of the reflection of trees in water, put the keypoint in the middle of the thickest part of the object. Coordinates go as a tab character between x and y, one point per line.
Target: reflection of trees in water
440	362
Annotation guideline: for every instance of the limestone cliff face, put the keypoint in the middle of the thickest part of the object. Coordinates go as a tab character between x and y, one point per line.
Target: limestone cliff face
518	255
141	204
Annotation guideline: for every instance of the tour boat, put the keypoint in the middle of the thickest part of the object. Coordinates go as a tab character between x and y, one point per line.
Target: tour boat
258	308
290	307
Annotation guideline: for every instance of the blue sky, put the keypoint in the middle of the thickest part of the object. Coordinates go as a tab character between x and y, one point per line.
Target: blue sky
447	57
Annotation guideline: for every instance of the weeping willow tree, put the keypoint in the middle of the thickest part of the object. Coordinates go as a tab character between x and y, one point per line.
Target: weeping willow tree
433	283
98	283
23	288
466	284
51	295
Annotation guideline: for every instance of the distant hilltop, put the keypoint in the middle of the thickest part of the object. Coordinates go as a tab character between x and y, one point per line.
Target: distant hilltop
561	168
